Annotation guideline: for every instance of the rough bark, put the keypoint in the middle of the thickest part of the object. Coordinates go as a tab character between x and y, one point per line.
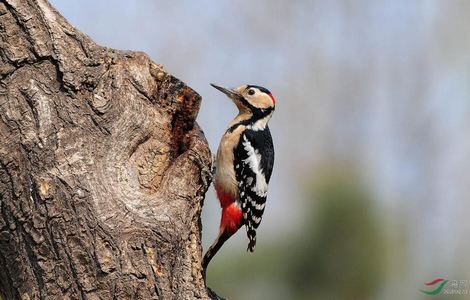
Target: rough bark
101	167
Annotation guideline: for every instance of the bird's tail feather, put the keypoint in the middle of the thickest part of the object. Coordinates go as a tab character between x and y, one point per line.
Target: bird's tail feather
213	249
251	232
251	246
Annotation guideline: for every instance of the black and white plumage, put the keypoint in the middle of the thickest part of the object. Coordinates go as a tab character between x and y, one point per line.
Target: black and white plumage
255	158
244	164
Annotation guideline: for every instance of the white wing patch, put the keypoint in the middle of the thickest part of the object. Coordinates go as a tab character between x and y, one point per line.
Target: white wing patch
253	161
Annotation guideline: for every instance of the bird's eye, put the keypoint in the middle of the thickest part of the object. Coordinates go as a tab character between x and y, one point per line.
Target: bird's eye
251	92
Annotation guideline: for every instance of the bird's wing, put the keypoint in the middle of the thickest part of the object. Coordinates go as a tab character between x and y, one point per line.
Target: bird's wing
254	158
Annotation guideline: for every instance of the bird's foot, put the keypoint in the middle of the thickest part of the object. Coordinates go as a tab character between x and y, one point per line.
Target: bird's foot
206	172
213	165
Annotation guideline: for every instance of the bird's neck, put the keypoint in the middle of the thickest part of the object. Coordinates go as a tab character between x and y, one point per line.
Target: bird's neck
259	123
254	122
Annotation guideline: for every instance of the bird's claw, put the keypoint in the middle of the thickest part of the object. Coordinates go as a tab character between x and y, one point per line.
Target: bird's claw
213	165
206	172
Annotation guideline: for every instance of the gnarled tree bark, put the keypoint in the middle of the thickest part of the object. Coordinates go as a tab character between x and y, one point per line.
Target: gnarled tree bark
101	167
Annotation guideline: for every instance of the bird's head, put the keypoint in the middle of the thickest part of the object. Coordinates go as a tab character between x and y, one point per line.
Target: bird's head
252	99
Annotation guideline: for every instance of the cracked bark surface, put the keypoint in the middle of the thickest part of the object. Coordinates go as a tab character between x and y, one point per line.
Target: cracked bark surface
101	167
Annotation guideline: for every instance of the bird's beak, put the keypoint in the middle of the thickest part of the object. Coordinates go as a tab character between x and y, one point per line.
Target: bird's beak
230	93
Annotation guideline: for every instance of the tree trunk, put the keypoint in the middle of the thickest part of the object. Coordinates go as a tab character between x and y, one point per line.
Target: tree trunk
102	167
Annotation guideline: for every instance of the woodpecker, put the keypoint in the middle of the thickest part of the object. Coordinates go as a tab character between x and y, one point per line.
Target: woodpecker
243	165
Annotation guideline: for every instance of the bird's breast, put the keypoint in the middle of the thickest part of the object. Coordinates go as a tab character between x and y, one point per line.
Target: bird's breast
225	180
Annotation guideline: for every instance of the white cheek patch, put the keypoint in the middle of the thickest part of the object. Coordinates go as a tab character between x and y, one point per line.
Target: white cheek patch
260	100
